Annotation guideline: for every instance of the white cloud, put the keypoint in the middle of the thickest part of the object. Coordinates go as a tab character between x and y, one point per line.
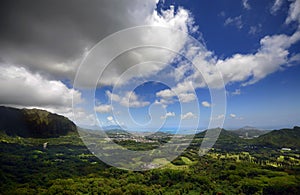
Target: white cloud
24	89
232	115
163	102
236	21
184	90
187	97
61	56
276	6
129	99
176	19
272	55
188	115
184	87
104	108
110	121
110	118
59	53
236	92
182	68
246	4
166	94
206	104
21	87
132	100
269	58
168	114
294	12
112	97
179	19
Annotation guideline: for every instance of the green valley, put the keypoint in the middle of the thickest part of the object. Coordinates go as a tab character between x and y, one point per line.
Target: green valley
263	165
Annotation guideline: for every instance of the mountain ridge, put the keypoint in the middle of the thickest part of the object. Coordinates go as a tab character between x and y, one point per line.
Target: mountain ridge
34	123
37	123
249	132
289	138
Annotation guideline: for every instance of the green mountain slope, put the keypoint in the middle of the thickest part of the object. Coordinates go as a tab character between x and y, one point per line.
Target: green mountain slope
33	123
276	139
226	140
249	132
281	138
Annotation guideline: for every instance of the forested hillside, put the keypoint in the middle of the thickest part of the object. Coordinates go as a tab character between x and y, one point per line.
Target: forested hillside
33	123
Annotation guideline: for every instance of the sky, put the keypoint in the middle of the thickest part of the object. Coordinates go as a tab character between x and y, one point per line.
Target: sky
202	63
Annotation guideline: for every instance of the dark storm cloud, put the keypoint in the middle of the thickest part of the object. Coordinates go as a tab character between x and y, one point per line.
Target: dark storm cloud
51	36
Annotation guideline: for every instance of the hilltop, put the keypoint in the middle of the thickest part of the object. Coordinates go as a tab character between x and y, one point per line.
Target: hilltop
249	132
229	140
281	138
34	123
37	123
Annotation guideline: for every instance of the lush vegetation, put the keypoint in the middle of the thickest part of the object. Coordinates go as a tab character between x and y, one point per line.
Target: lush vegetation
249	132
34	123
63	164
67	167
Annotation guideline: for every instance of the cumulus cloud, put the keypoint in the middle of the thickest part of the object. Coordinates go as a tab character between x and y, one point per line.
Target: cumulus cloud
188	115
103	108
48	41
232	115
187	97
164	102
236	21
58	40
183	67
269	58
168	114
112	96
206	104
21	87
110	118
166	93
117	72
58	47
273	55
52	32
48	47
130	99
183	90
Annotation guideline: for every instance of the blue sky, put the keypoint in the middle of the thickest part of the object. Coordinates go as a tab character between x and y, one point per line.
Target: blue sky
253	46
228	28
